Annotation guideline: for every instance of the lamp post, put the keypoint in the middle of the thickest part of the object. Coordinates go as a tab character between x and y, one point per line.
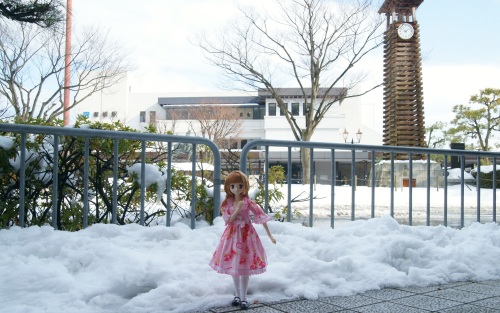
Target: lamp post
345	134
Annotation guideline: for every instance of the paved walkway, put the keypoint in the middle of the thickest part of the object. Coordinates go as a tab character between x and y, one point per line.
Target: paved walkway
466	297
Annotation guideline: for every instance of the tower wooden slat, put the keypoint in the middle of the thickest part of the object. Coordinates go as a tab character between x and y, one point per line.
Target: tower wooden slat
403	91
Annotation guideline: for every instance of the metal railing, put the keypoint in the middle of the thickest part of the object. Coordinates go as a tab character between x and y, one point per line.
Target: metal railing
410	152
374	154
116	136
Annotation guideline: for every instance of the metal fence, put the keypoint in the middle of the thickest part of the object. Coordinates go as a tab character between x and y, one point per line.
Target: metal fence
372	155
58	133
391	154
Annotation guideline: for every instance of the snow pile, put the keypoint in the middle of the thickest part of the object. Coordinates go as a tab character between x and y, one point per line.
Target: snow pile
109	268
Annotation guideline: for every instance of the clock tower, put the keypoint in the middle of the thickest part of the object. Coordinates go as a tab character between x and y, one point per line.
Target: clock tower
403	91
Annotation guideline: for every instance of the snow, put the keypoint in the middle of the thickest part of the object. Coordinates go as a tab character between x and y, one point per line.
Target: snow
485	169
6	143
188	166
456	173
109	268
153	175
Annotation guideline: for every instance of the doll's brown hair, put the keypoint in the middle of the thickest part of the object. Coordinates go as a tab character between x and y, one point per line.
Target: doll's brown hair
235	177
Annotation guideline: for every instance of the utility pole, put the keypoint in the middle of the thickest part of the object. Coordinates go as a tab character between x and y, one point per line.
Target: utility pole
67	60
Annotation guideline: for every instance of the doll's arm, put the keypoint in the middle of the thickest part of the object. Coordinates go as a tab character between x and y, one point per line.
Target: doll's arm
269	233
236	212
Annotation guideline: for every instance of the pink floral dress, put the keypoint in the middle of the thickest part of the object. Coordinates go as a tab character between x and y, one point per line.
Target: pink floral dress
240	251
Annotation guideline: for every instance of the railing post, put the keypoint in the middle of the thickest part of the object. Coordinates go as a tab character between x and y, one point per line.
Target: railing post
494	189
289	186
332	189
115	182
311	190
193	187
462	191
169	185
22	183
55	181
373	185
478	190
445	187
392	184
428	190
86	183
353	184
143	180
410	189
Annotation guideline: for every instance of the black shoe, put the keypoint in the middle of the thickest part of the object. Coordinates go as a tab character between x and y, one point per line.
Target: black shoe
236	301
244	305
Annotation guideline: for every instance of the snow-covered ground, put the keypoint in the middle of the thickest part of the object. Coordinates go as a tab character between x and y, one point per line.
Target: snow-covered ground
109	268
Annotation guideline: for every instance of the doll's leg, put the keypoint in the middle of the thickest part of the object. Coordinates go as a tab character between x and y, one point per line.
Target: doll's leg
244	287
237	292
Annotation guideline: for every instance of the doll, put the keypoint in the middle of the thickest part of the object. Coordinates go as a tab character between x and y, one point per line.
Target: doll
240	252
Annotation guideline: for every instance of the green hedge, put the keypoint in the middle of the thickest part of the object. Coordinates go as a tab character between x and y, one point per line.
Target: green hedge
486	180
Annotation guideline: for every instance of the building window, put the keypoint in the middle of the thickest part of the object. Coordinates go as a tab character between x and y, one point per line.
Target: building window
295	109
142	117
96	114
114	114
259	113
272	109
105	114
152	116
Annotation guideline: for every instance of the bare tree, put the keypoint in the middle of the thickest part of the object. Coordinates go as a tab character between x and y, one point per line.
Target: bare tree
32	68
311	43
215	122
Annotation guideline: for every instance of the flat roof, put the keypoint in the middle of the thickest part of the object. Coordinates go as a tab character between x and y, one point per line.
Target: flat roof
298	93
210	100
241	100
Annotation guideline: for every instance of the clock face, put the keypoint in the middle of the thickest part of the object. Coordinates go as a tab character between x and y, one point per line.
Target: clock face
405	31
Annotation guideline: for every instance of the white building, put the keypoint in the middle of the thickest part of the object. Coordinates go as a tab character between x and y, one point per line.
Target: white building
259	112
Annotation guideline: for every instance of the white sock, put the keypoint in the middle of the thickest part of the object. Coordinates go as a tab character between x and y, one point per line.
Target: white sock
244	287
236	281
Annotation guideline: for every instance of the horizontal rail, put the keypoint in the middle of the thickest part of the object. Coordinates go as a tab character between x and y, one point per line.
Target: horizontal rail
57	132
373	150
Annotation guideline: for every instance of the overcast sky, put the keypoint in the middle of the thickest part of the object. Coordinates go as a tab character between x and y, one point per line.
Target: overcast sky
459	42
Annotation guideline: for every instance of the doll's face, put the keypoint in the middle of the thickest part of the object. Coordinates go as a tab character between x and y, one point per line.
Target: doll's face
236	188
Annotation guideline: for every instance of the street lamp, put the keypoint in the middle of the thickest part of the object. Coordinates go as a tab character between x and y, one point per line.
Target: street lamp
358	135
345	134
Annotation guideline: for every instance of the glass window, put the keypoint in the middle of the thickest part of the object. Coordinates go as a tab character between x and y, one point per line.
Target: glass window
272	109
105	114
152	116
142	117
295	109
